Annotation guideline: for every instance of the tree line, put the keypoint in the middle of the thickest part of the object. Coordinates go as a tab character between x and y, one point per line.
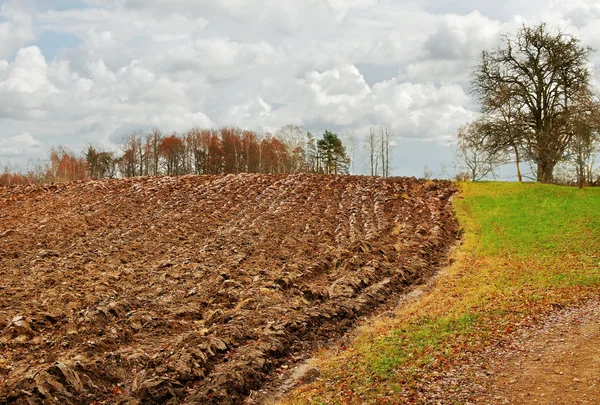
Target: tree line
198	151
225	150
537	106
62	165
221	151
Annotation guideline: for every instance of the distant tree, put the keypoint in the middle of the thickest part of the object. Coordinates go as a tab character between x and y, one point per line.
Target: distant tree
65	166
427	173
126	163
386	146
215	154
312	153
131	162
333	154
172	151
249	143
292	137
152	152
190	142
473	153
584	122
540	72
199	142
273	155
372	151
444	172
230	147
11	178
351	143
100	164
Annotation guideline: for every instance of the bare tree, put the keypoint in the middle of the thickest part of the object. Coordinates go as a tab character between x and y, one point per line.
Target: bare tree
292	136
476	157
543	71
153	141
504	124
584	123
131	162
386	146
373	152
350	143
427	173
312	153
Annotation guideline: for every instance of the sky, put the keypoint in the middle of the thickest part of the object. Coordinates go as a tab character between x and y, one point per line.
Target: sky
77	72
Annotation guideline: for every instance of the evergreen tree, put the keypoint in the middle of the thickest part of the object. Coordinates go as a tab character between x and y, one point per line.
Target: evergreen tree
333	156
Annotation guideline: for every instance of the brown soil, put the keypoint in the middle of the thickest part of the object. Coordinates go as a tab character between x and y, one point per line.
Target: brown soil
193	289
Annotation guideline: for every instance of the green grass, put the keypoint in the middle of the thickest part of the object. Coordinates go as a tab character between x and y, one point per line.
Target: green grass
533	218
426	334
527	249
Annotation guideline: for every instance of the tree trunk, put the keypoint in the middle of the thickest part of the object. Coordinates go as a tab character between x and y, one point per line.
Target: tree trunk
580	170
518	162
545	172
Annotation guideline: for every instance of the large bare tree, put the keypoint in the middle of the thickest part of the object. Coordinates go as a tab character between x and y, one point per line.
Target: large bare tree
539	71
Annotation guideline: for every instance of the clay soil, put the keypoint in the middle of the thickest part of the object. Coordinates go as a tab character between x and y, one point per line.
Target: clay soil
193	289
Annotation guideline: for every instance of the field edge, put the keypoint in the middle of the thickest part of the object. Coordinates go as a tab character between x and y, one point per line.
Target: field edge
434	347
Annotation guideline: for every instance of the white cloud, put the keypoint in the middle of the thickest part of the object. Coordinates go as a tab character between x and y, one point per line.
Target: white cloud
253	109
16	31
578	17
344	85
579	13
18	145
253	63
28	73
421	110
462	37
26	83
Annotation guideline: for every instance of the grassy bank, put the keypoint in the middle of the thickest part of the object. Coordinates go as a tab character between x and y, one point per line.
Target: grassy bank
527	249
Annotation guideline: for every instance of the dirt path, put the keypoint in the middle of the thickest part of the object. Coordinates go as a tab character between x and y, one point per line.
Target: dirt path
557	363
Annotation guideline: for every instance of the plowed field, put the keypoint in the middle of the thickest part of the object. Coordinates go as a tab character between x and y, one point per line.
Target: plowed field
193	289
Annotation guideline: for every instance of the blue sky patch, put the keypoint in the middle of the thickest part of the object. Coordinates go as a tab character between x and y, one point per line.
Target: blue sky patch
374	73
51	43
57	5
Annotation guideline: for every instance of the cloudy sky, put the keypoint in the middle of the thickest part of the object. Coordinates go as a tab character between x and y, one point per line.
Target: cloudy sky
74	72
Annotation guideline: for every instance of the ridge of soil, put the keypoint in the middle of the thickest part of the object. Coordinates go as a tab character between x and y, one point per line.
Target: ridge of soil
181	290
